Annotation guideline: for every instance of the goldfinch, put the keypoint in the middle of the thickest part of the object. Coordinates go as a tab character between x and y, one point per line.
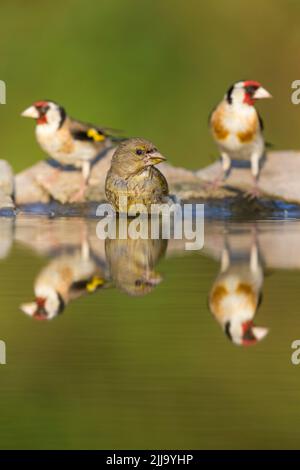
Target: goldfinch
68	141
133	179
235	297
65	278
237	128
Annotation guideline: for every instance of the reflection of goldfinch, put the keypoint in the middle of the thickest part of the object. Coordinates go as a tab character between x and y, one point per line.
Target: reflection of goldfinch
132	176
66	140
132	263
65	278
235	297
237	127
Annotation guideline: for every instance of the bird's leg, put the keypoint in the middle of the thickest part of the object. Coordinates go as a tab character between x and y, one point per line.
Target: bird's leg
226	165
254	262
225	259
255	168
224	173
51	177
79	195
85	250
86	171
85	245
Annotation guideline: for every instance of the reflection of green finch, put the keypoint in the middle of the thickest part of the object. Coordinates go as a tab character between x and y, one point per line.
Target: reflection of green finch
132	175
132	263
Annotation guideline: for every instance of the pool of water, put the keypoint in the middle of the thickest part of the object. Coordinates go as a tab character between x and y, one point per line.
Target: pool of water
137	350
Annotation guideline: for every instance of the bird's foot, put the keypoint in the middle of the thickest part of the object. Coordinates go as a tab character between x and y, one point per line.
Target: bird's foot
79	195
214	184
253	193
51	178
154	280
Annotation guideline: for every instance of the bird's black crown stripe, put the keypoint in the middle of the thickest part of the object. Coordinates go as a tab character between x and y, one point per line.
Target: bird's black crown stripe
62	304
229	94
63	116
227	330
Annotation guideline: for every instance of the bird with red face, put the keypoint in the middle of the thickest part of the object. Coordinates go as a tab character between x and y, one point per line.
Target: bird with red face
236	295
237	128
68	141
67	277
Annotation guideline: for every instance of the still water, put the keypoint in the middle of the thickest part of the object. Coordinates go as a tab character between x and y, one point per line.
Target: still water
136	351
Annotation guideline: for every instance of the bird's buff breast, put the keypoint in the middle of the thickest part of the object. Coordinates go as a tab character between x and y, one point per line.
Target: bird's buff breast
232	294
61	274
241	150
145	188
60	146
235	133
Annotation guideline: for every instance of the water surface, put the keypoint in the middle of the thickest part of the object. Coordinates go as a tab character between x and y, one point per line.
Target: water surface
135	358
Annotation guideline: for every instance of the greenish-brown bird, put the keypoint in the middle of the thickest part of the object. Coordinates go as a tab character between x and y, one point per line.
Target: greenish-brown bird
132	263
133	179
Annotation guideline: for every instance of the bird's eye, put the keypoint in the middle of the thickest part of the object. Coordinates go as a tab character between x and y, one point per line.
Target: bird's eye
139	151
251	89
43	109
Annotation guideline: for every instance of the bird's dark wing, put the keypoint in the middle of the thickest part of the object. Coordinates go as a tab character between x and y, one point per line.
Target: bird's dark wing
210	115
260	299
262	126
115	135
90	284
91	133
261	122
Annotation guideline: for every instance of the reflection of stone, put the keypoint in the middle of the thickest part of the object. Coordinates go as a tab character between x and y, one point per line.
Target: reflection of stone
52	236
6	188
6	236
279	242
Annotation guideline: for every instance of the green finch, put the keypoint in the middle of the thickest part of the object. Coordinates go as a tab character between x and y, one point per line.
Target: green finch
132	262
133	179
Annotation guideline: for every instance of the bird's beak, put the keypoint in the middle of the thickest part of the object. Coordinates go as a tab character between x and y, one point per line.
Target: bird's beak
154	280
35	309
31	112
259	332
29	308
154	158
261	93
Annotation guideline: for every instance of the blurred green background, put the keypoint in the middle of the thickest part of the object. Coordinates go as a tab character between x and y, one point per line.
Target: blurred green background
153	68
